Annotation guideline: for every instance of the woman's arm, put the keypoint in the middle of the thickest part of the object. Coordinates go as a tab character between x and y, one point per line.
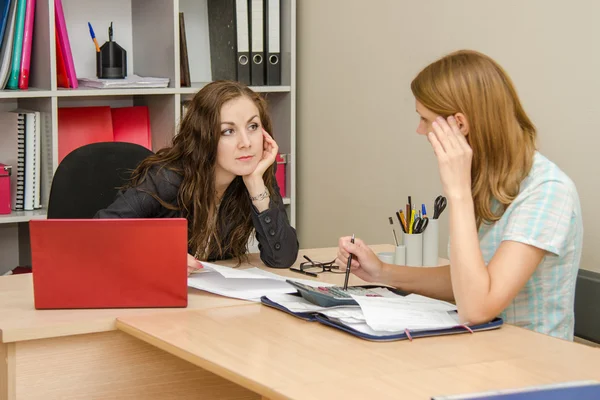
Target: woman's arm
277	240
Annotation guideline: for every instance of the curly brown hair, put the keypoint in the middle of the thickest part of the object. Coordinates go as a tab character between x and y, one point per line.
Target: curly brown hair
193	155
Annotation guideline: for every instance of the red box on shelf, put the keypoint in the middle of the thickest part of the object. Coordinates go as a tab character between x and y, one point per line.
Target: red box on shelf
5	189
281	160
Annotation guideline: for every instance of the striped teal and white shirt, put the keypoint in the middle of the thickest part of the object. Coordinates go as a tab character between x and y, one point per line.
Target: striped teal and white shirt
546	214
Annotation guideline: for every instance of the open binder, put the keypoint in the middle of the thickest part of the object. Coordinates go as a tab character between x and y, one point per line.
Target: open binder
321	318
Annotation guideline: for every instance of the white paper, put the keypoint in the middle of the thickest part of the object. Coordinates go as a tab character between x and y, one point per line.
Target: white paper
133	81
398	314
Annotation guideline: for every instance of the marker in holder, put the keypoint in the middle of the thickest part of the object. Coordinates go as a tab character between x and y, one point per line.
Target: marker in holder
111	60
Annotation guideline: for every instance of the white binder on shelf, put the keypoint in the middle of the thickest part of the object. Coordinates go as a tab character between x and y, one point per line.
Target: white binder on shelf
242	28
257	49
273	36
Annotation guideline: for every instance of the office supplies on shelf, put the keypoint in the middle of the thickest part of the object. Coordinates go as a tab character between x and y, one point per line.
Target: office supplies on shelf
111	61
15	65
7	45
575	390
273	37
243	41
247	284
27	43
78	126
12	152
439	206
222	39
355	321
4	17
75	266
133	81
348	266
184	62
132	125
5	173
393	230
64	44
93	35
257	43
280	173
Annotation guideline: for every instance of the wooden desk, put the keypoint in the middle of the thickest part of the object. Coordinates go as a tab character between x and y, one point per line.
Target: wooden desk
80	354
281	357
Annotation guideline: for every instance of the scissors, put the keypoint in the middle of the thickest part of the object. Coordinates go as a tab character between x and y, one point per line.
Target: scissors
439	206
420	224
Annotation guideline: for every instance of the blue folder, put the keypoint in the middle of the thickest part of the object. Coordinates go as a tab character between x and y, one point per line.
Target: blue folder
582	390
323	319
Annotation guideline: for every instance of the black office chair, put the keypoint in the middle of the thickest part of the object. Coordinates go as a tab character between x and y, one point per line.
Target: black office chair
587	312
88	178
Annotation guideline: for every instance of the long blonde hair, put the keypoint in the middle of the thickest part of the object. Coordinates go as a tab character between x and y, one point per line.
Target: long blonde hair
500	133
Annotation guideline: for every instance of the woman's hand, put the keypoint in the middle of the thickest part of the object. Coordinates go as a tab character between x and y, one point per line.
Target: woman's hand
365	263
193	264
270	150
454	157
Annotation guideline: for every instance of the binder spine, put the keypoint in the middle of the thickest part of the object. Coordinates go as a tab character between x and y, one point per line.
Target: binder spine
273	37
257	40
242	27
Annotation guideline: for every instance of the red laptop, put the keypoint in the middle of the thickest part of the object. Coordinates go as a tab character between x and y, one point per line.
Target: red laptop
109	263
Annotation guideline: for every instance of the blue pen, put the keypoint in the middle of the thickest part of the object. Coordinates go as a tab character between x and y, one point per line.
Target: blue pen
423	210
93	35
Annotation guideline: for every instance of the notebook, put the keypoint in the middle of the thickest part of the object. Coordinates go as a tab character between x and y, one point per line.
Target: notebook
15	65
577	390
350	320
78	126
65	45
132	124
109	263
7	41
27	42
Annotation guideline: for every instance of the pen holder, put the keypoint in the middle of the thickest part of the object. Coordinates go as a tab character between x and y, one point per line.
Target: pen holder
431	243
400	255
414	249
111	61
386	257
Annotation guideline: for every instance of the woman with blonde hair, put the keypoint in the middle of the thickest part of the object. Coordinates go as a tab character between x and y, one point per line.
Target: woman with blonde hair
515	221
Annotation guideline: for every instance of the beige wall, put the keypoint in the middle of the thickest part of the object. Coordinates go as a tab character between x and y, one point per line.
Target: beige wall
359	155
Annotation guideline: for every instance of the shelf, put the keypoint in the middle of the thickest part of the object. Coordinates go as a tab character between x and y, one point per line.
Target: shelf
89	92
21	94
260	89
22	216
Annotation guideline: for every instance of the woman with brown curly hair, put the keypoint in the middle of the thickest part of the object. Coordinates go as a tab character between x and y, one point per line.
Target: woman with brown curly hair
218	173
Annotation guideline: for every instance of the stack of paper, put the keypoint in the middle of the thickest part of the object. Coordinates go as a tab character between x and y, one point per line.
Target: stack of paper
246	284
133	81
381	316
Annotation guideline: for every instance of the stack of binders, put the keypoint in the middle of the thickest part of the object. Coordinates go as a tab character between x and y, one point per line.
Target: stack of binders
245	41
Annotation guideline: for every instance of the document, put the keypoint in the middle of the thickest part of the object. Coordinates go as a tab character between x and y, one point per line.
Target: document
246	284
398	314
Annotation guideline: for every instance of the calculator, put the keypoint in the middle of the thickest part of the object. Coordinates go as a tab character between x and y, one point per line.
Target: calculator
331	296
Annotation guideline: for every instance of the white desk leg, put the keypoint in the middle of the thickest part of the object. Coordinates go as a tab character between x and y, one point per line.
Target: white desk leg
7	371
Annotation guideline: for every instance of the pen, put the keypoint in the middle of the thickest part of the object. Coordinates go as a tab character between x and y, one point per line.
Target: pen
412	221
393	230
424	210
404	224
348	266
93	35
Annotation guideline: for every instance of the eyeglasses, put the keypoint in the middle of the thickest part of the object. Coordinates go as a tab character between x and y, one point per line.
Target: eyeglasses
312	268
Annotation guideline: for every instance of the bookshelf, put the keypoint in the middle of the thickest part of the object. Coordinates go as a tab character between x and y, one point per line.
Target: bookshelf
149	31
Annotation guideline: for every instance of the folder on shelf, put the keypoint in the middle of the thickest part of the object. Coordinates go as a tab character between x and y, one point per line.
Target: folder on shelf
78	126
222	39
7	45
132	124
242	28
27	42
257	40
65	46
4	17
15	65
347	319
62	80
184	62
273	36
12	152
